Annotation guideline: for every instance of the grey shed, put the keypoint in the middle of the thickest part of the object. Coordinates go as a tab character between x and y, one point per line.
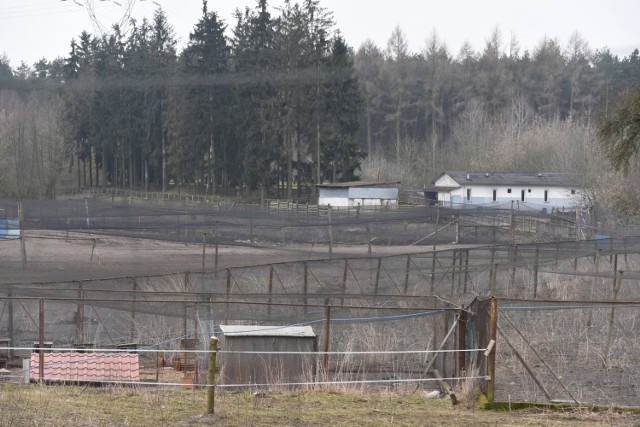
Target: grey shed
258	368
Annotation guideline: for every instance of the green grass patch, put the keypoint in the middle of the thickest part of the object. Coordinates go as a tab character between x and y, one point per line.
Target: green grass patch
29	405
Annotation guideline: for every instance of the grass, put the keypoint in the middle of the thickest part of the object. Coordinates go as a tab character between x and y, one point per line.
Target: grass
22	405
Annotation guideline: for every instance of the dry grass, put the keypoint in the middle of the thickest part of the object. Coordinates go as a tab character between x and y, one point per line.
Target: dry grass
77	406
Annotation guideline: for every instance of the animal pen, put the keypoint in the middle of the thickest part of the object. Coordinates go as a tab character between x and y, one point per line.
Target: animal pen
565	313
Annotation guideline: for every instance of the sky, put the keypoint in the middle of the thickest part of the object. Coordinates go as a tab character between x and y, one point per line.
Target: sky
35	29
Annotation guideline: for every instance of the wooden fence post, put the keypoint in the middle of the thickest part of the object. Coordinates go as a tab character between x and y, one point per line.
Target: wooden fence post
211	377
10	319
41	340
514	260
270	287
80	316
404	233
204	246
377	280
535	272
491	357
466	270
493	279
462	342
593	282
305	285
228	292
454	256
612	317
330	232
406	274
434	255
344	280
215	266
23	248
133	310
327	332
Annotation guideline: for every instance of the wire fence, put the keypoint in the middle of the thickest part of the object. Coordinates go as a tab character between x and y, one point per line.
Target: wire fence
567	310
239	224
355	350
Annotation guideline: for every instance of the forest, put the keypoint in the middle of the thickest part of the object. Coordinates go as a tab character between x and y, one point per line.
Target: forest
273	104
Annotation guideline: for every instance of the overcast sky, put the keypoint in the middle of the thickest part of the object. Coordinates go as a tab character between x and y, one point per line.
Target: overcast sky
33	29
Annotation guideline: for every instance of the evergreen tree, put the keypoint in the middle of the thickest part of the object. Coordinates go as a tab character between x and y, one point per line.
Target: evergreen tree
341	152
205	136
619	132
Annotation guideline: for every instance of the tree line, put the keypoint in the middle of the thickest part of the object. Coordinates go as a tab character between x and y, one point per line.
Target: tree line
283	103
273	101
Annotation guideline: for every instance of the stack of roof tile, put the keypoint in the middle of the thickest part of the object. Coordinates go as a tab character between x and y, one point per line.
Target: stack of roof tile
86	367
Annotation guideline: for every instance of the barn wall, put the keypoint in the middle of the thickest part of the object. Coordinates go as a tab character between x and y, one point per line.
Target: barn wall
333	196
483	195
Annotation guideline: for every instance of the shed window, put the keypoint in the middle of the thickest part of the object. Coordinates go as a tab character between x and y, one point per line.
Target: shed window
509	190
546	195
468	194
495	195
573	191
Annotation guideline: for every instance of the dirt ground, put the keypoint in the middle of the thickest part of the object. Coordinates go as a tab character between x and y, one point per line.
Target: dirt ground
56	256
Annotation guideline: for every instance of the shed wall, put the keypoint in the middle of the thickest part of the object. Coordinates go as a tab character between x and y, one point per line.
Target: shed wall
256	368
358	196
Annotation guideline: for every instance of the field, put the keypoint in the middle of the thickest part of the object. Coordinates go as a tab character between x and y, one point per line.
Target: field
75	406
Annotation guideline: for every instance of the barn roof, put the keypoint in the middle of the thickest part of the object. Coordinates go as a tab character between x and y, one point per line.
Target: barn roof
550	179
266	331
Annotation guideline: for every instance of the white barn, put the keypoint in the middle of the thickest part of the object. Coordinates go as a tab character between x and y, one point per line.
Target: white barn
358	193
533	191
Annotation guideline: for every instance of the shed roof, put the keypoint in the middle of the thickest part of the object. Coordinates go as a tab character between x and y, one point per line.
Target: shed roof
266	331
360	184
551	179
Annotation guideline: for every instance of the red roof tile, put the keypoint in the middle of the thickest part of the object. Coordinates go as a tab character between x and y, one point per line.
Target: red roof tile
86	367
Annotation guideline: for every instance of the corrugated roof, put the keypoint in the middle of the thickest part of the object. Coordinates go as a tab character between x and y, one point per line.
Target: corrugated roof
516	178
360	184
86	367
267	331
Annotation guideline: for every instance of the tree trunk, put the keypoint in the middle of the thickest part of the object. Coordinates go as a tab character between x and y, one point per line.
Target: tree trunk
398	133
78	171
131	168
164	162
289	148
91	167
369	151
145	168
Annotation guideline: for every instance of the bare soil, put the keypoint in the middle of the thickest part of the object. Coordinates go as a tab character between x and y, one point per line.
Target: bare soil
58	256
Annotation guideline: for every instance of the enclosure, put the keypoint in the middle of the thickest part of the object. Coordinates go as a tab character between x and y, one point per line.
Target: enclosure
385	316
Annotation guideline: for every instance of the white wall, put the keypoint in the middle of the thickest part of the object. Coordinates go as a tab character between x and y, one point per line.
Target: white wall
352	196
533	195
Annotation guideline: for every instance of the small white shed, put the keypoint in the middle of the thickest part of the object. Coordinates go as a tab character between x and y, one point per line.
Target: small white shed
261	355
358	193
